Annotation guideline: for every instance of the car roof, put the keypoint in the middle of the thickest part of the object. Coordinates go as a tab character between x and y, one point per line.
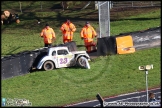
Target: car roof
59	47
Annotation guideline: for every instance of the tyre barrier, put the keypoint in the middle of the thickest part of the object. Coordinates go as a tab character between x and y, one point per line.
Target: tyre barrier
129	42
24	62
18	64
71	46
146	38
15	65
106	46
37	55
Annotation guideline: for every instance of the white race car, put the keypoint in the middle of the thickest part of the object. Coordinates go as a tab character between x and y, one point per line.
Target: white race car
59	57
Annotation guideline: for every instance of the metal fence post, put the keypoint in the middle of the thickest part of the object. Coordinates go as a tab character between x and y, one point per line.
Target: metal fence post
147	85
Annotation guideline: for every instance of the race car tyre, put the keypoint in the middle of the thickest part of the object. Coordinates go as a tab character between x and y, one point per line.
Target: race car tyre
48	65
83	62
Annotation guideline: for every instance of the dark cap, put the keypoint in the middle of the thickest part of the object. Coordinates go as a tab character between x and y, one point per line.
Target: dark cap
47	24
87	22
67	20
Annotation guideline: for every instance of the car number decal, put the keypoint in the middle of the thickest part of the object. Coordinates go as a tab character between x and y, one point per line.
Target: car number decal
63	60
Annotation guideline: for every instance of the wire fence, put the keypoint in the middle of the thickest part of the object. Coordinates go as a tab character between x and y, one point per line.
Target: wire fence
37	6
105	13
123	4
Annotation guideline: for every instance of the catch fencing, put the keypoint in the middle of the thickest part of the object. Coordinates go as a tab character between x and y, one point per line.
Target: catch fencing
37	6
105	13
124	4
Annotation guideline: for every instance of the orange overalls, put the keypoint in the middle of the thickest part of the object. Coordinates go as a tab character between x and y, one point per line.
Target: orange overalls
88	33
48	35
67	32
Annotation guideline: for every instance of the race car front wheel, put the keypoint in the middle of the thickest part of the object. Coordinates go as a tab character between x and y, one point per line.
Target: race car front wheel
83	62
48	65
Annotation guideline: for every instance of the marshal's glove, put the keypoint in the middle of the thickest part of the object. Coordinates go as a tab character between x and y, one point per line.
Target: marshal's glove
68	30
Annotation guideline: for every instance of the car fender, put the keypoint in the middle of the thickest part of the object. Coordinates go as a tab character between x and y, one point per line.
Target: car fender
79	55
41	62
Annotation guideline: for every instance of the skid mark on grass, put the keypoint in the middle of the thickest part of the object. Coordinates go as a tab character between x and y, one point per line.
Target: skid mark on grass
89	75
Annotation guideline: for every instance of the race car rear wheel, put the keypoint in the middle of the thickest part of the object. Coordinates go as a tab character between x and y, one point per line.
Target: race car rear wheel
48	65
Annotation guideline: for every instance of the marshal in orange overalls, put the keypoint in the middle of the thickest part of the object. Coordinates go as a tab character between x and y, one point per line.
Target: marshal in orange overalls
67	29
49	35
88	33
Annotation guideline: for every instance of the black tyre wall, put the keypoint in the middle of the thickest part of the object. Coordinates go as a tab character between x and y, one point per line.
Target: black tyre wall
38	54
106	46
15	65
71	46
102	46
20	63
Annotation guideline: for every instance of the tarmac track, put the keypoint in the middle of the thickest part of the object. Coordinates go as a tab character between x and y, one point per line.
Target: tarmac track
139	96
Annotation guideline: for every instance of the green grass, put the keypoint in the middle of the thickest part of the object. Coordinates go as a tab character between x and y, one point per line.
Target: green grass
109	75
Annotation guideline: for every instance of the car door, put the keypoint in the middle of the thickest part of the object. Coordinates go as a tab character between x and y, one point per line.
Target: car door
64	58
